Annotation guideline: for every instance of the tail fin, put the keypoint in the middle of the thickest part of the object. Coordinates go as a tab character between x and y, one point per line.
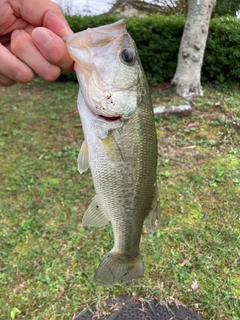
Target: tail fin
116	268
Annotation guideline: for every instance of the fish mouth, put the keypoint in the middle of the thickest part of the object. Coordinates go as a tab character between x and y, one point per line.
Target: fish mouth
110	119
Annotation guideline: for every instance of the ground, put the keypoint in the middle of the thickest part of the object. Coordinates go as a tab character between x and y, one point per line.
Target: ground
48	257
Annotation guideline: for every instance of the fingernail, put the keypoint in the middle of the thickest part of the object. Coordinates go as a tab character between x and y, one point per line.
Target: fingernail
41	37
15	32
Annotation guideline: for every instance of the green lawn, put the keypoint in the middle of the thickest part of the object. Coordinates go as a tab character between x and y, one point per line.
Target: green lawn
48	258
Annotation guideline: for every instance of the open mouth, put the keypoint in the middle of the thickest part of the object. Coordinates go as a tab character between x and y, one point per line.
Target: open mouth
110	119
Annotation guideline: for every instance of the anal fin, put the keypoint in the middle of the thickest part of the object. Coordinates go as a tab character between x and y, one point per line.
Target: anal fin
94	215
153	217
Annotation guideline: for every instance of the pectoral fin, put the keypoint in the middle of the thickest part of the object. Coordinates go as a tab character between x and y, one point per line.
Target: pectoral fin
154	214
83	163
113	150
94	215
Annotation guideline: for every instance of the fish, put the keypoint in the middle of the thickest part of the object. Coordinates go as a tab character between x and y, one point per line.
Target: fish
120	145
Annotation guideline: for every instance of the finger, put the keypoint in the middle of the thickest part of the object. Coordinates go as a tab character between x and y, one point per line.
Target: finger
52	48
23	47
42	13
57	23
5	81
4	39
12	68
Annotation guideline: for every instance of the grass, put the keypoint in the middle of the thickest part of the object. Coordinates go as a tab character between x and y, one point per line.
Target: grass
48	258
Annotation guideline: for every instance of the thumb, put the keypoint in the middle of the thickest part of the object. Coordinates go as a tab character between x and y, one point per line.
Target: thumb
53	48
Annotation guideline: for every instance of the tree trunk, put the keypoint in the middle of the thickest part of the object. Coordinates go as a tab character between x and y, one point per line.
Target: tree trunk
187	78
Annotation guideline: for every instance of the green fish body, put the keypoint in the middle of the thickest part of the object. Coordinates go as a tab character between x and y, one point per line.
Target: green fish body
120	144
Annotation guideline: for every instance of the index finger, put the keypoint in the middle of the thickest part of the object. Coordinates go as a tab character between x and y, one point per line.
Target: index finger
42	13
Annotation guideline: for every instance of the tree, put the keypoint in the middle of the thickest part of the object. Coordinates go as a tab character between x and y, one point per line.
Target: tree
141	6
174	6
187	78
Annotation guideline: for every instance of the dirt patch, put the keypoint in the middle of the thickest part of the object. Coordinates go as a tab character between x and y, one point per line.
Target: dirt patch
126	308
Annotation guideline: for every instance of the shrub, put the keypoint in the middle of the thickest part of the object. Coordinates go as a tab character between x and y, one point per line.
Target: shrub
158	39
222	55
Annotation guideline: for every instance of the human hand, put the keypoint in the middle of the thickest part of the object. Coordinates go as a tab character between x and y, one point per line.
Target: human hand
30	41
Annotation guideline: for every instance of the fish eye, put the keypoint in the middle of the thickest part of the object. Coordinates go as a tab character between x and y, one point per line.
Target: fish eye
128	55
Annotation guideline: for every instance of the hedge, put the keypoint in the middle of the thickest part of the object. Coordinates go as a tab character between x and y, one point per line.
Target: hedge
158	39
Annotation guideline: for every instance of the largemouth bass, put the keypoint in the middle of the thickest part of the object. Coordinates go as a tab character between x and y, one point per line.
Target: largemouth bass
120	144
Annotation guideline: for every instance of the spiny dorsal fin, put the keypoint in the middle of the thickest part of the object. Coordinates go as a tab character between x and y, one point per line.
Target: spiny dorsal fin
153	217
94	215
83	162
